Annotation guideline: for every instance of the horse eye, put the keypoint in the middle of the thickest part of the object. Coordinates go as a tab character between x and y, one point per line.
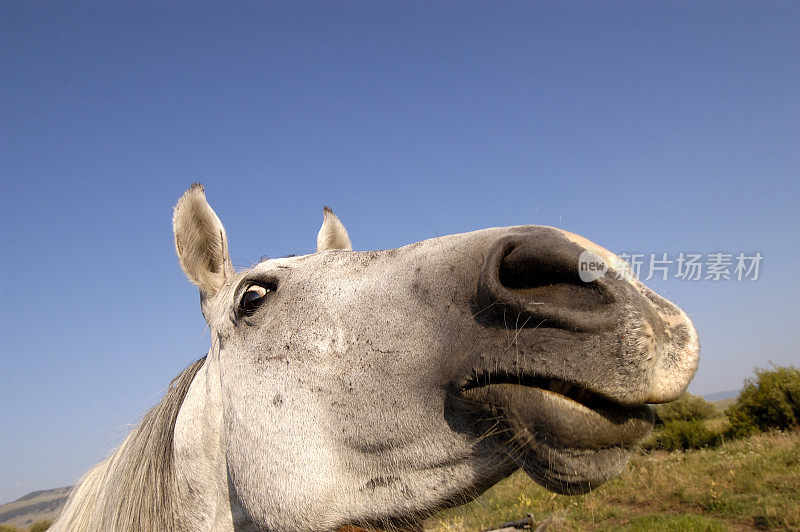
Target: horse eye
254	297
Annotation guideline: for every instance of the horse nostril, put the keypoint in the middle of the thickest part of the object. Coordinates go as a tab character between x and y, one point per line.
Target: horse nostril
539	276
535	275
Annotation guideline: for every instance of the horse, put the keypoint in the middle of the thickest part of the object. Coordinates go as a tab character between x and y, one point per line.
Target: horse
371	388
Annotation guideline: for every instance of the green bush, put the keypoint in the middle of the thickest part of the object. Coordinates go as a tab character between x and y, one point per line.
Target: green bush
41	526
682	434
687	407
770	400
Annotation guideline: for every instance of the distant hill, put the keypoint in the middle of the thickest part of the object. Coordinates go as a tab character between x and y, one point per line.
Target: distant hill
722	400
719	396
34	506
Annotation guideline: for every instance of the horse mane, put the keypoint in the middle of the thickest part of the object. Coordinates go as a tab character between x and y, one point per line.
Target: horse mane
136	487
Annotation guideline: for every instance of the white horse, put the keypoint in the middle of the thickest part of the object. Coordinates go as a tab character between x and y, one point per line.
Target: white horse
372	388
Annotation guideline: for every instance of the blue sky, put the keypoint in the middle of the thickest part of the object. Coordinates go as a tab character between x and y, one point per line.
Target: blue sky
647	127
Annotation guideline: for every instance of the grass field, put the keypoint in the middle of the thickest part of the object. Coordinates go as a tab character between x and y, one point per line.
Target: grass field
749	484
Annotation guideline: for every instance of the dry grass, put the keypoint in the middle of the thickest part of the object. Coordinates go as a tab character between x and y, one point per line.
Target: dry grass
750	484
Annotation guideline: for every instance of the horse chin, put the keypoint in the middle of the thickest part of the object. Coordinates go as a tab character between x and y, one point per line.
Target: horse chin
572	471
568	442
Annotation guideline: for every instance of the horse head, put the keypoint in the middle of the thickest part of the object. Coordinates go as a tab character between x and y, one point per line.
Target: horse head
369	387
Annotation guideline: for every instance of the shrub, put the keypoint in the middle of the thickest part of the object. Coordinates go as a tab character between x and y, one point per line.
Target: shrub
687	407
770	400
682	434
41	526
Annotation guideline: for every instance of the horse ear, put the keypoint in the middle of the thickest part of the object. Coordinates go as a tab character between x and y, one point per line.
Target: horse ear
201	242
332	234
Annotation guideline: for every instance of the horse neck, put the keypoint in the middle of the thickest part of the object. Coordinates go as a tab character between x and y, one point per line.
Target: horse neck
201	471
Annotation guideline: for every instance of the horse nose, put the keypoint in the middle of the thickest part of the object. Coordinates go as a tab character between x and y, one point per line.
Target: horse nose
533	276
531	279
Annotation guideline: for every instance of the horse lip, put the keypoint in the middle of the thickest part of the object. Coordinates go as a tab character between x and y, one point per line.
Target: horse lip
561	413
577	392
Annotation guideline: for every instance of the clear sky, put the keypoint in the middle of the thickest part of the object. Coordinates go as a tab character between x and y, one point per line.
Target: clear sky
648	127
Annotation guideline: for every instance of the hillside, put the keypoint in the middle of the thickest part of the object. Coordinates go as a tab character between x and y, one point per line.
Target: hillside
33	507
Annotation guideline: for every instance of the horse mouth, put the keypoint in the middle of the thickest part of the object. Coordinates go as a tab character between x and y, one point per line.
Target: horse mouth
566	437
